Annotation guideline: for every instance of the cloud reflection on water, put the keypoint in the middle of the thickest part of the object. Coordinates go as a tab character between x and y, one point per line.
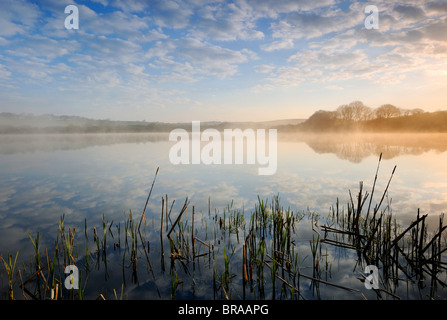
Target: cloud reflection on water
83	176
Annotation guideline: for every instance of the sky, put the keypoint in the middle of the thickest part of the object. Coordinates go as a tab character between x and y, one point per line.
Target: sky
205	60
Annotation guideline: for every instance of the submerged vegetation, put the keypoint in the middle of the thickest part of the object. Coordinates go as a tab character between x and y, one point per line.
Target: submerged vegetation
270	252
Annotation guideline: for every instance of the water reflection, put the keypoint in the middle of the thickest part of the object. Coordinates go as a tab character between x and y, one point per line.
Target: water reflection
356	147
84	176
12	144
352	147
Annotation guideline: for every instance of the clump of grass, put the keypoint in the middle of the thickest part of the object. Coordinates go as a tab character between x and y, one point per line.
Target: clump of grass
175	282
202	252
378	239
10	267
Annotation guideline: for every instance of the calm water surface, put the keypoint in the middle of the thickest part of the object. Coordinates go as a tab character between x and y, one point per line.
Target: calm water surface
86	176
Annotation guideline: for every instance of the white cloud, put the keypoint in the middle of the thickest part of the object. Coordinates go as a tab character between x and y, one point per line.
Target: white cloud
344	40
199	57
329	59
404	47
315	24
260	88
171	64
131	5
226	21
116	51
19	17
409	12
3	72
265	68
149	36
116	23
160	49
292	76
43	47
212	59
278	45
4	42
103	2
272	9
437	7
436	31
170	14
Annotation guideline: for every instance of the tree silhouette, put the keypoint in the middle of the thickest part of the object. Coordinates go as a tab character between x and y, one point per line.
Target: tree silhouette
355	111
387	111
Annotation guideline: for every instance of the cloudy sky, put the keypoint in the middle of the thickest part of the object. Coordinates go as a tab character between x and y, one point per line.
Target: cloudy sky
172	60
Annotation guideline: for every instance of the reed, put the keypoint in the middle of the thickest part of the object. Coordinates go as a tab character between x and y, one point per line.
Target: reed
411	252
274	260
10	267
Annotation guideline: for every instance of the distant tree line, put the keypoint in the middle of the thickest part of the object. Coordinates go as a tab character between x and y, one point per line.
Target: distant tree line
357	116
357	111
11	123
348	117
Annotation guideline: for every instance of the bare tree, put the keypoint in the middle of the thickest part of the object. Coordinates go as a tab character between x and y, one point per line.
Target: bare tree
360	111
345	112
355	111
410	112
387	111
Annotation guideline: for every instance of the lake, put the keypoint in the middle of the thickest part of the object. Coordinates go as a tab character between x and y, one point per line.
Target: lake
86	176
